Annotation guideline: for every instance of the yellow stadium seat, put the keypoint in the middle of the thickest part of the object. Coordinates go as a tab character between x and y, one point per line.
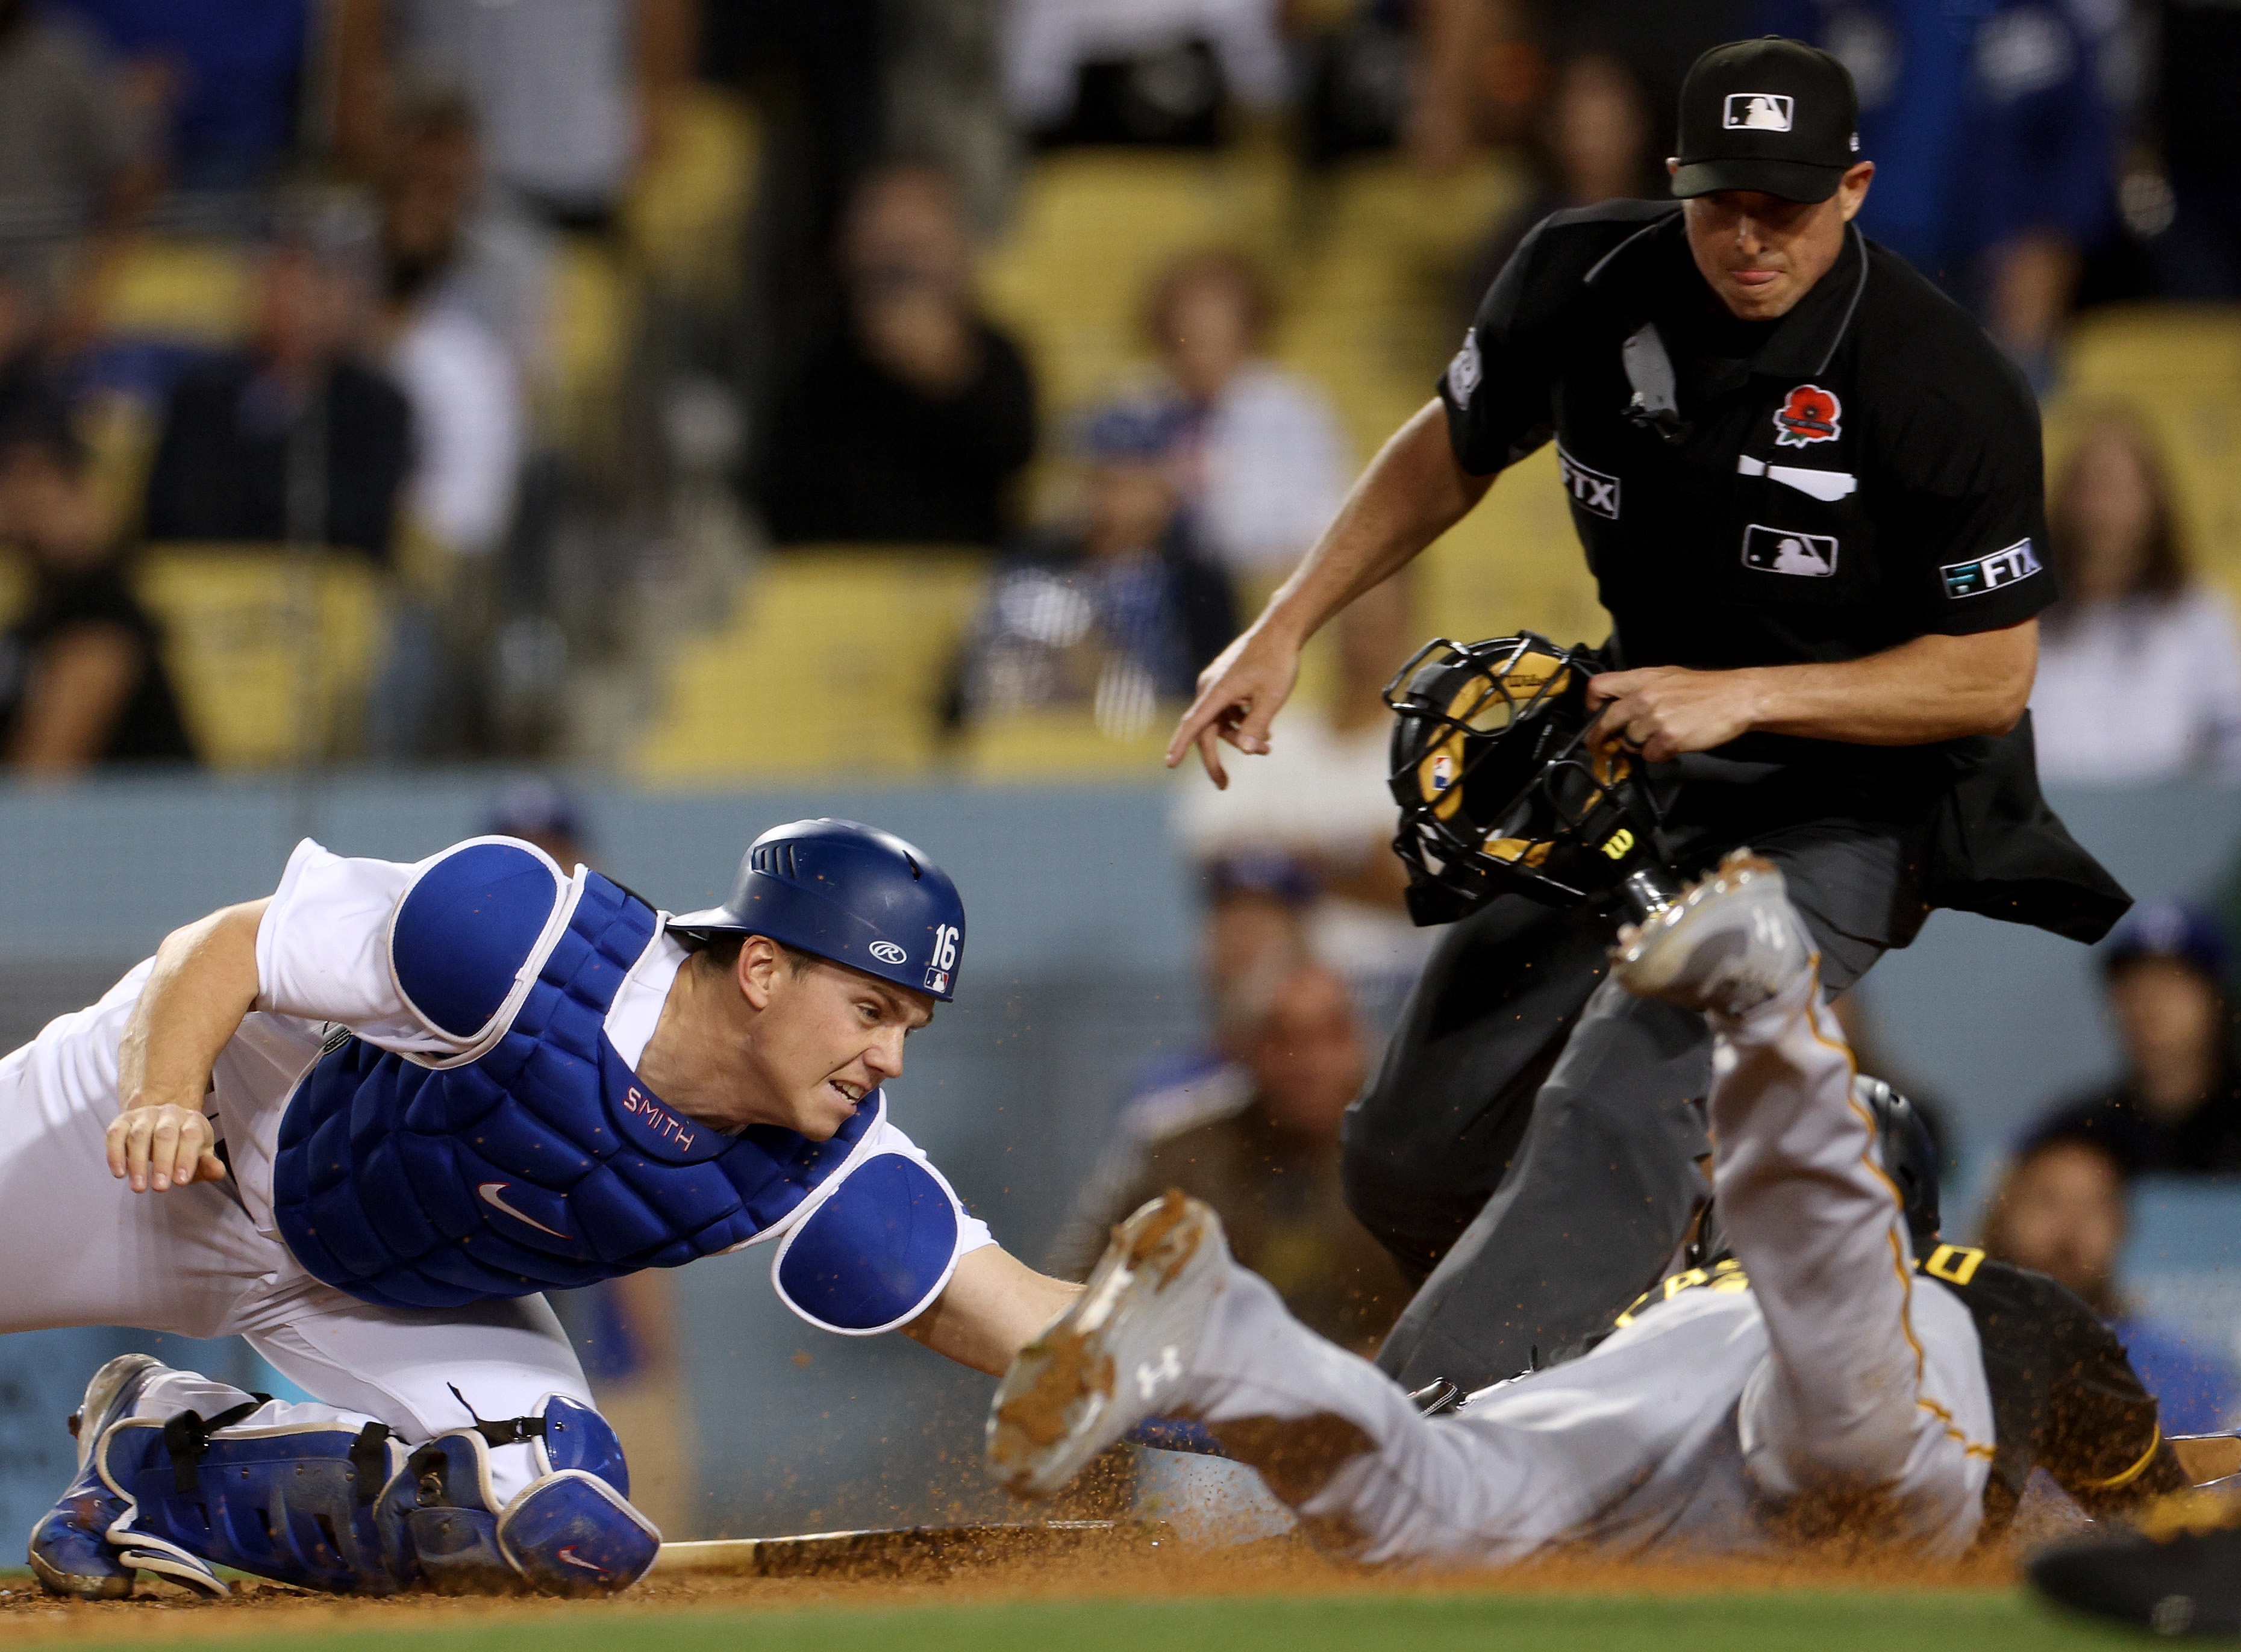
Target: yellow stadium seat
1041	748
1092	229
832	666
686	220
589	343
273	651
195	291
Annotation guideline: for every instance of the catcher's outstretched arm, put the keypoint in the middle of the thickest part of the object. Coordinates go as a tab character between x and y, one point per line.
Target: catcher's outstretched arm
993	1306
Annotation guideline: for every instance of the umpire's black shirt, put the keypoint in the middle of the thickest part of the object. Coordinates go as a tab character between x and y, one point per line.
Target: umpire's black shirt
1859	472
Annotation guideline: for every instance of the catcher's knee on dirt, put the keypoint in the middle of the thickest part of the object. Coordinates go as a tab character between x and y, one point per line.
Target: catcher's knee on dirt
351	1510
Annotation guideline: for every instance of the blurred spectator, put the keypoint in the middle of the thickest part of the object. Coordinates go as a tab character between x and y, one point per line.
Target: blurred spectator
241	440
2195	218
2139	669
70	143
456	373
32	393
1270	1168
451	242
2174	1106
1140	71
571	96
1319	794
222	80
82	677
1118	612
1593	142
1264	467
1252	938
1992	131
2061	1210
911	421
540	810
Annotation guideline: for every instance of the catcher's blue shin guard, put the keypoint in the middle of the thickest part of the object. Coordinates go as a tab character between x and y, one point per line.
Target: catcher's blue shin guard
294	1502
570	1531
70	1551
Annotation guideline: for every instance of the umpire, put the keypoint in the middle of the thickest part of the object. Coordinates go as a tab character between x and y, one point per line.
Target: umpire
1809	489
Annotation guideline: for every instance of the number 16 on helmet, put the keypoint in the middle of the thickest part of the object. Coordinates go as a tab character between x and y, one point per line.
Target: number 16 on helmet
849	893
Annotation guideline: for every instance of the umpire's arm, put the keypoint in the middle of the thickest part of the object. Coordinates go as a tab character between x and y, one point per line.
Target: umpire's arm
1935	687
204	981
1414	490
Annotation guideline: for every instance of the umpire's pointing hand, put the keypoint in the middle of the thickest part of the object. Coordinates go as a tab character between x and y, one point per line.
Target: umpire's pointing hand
1663	711
1239	696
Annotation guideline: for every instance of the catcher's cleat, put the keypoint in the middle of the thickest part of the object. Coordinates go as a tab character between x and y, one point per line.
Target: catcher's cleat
1729	944
1117	1356
70	1551
2187	1582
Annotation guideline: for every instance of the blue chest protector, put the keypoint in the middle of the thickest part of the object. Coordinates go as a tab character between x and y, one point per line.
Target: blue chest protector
537	1159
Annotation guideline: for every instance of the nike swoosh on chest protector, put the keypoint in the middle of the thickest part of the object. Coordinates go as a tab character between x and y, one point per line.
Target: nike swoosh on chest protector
492	1191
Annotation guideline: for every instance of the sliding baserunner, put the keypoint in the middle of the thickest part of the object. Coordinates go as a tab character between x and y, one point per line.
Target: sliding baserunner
1830	1369
365	1121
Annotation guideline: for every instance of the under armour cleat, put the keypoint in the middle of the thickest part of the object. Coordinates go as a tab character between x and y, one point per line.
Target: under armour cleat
1119	1354
1729	944
70	1551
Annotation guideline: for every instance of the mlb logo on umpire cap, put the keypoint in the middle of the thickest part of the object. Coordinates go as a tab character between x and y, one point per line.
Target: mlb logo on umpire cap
1756	112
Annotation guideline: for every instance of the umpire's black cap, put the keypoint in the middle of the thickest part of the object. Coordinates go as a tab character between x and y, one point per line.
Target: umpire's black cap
1773	115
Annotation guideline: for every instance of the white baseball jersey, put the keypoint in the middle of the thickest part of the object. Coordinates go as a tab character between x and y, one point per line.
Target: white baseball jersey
205	1259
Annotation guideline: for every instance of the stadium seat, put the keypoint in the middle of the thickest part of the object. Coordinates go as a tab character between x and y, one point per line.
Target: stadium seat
273	651
1043	747
686	220
178	290
1093	228
833	665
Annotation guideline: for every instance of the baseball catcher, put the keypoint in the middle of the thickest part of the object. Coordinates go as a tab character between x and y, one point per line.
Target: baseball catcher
373	1116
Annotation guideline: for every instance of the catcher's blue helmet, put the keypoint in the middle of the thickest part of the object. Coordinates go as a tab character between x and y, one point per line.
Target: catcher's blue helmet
849	893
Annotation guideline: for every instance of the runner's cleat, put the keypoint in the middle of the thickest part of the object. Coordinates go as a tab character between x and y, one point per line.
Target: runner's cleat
70	1551
1728	945
1119	1354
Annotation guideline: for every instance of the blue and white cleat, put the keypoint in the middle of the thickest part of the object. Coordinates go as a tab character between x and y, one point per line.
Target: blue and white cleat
1728	945
1119	1354
70	1551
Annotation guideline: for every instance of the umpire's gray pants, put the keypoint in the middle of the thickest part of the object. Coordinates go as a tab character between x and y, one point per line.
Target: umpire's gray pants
1532	1144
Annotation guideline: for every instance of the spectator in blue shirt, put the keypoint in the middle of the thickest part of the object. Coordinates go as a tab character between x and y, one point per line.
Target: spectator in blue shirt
2061	1210
1993	134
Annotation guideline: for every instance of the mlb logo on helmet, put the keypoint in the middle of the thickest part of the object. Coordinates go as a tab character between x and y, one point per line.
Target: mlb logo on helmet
1443	772
937	980
1807	415
1756	112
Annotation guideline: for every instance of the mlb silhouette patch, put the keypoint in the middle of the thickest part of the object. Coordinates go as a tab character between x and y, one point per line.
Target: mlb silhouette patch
1785	550
1808	414
1756	112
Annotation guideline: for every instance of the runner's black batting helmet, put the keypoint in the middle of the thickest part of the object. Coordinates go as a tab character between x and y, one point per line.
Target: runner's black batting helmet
1501	790
1908	1154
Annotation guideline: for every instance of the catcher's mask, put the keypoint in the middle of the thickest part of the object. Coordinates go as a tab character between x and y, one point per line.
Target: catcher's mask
1501	790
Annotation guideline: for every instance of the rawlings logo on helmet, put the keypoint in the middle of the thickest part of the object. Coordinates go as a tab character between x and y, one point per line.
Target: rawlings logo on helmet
887	952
